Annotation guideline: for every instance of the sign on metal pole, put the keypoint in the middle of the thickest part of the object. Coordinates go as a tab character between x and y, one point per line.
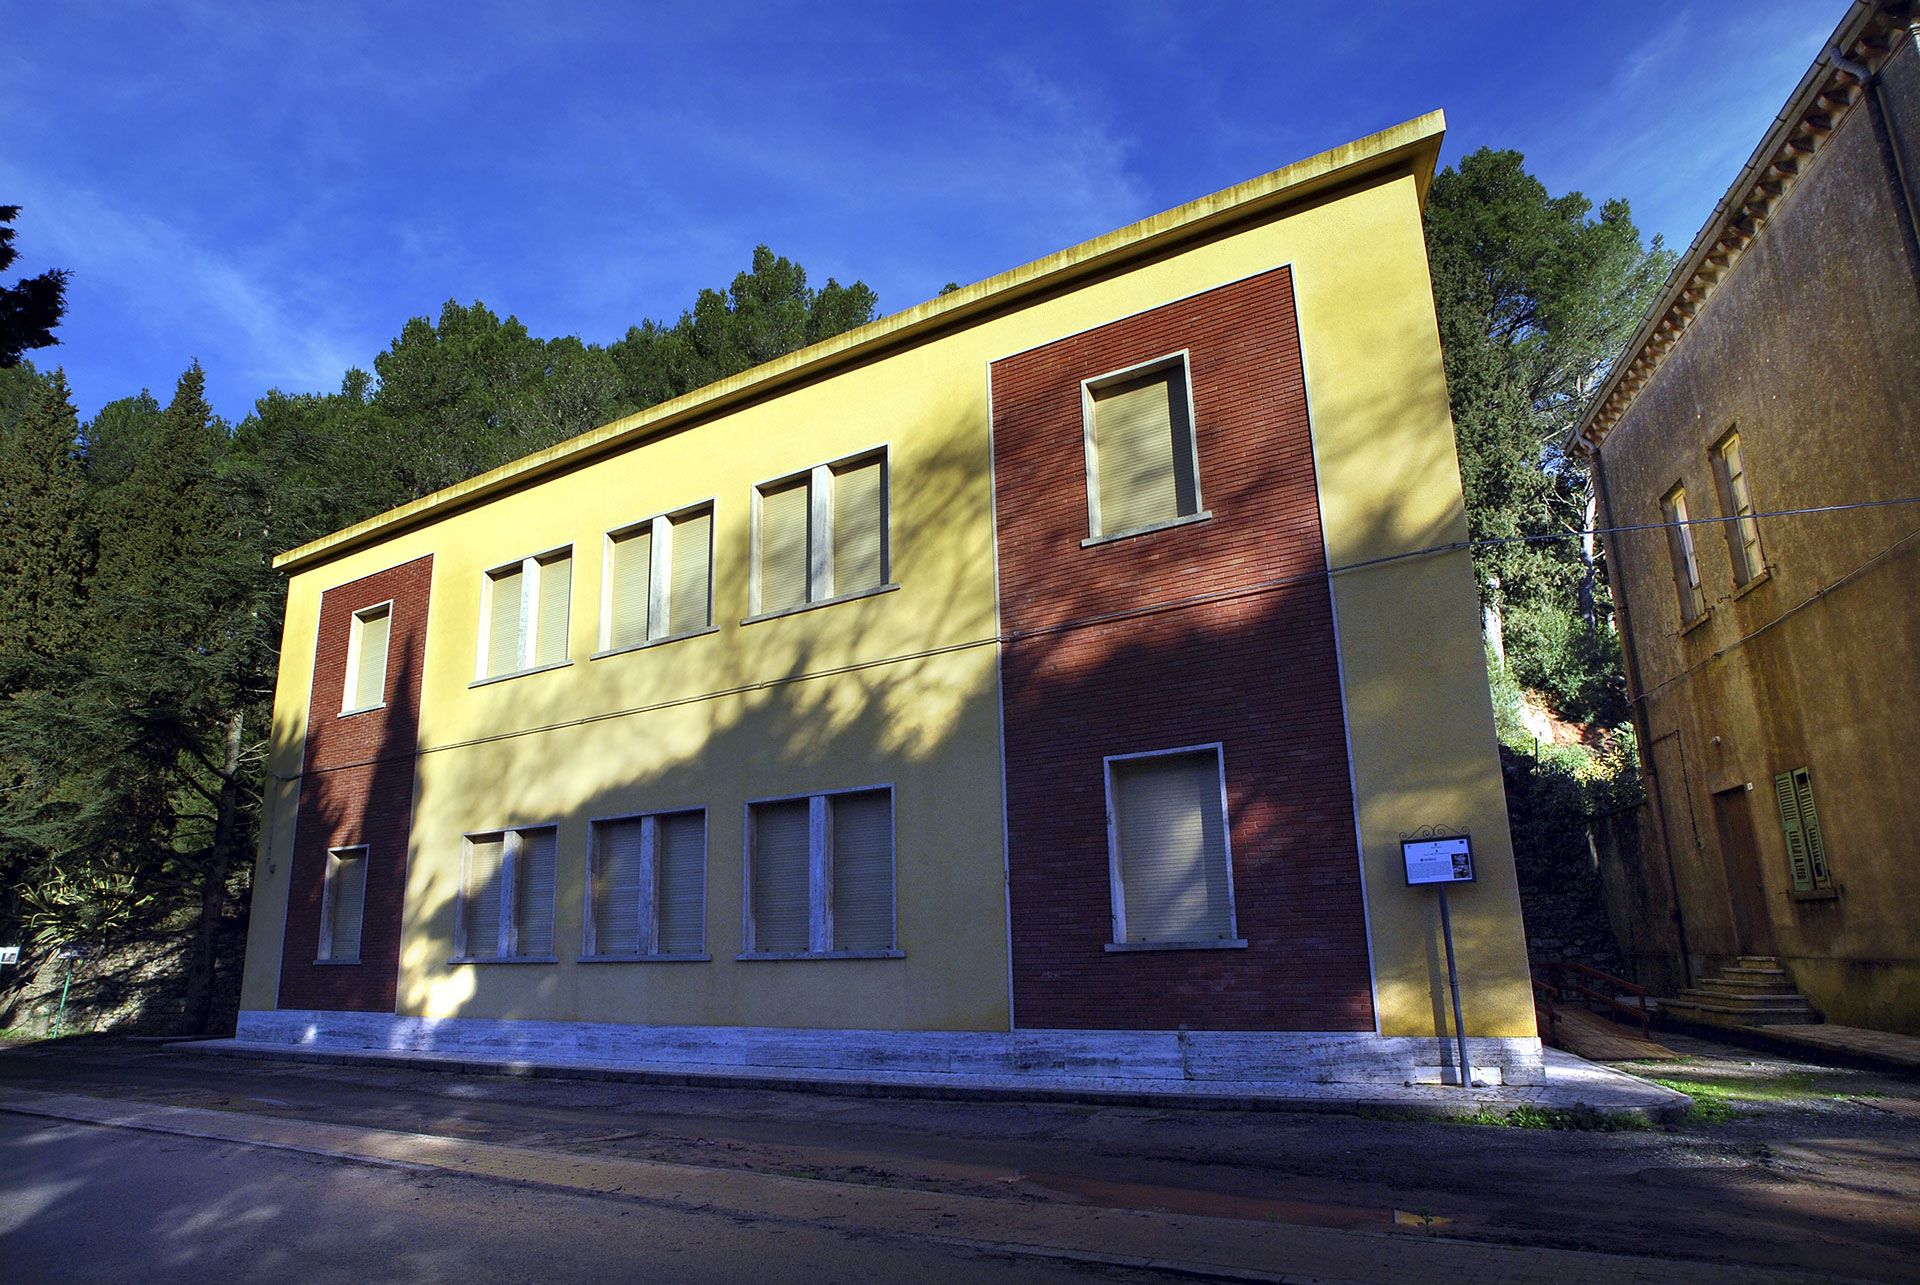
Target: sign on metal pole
9	954
1437	858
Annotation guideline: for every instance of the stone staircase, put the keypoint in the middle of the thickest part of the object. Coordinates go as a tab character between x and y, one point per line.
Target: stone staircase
1753	991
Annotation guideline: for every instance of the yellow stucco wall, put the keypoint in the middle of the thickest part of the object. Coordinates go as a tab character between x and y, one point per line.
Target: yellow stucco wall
1420	722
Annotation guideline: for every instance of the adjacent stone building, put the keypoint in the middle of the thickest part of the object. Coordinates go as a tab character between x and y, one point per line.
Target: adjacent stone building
1757	450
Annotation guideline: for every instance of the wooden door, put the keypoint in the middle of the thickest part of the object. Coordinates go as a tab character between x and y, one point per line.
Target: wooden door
1733	819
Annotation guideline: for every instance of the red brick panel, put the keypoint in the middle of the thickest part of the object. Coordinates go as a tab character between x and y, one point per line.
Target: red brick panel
357	788
1251	665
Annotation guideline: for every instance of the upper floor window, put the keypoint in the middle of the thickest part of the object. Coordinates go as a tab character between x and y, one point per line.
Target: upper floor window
1142	465
647	886
1171	866
1686	568
1736	501
821	535
367	638
506	895
523	614
343	901
820	875
659	579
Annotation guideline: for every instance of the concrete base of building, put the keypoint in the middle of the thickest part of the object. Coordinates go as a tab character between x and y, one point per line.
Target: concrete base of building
1145	1056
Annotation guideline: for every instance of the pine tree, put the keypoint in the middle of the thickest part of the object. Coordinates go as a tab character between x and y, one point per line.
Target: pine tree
45	548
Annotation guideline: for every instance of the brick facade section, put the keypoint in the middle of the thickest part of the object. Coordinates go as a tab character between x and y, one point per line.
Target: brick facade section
357	788
1254	668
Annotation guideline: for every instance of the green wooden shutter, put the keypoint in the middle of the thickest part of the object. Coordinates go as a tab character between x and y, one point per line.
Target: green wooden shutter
1810	827
1790	822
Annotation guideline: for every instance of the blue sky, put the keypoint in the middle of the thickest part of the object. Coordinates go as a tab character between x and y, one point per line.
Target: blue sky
275	188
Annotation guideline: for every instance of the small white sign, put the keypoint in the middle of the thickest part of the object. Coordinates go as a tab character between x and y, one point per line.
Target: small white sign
9	954
1448	860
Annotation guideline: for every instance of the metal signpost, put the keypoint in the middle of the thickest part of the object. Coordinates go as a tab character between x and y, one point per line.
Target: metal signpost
68	953
1438	858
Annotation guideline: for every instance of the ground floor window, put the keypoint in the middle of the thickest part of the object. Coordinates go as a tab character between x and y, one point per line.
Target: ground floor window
343	902
647	886
1806	846
820	875
1172	870
506	895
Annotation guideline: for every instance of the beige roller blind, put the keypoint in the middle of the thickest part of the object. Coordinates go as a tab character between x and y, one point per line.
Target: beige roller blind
1173	848
550	628
859	527
628	580
781	915
346	902
691	591
481	896
862	870
533	893
617	877
503	622
1143	452
680	868
370	674
783	547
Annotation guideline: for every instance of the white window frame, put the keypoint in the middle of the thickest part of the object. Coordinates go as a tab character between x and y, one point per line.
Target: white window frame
512	841
820	878
352	683
1746	551
1088	387
329	890
1116	879
649	884
659	576
529	645
820	570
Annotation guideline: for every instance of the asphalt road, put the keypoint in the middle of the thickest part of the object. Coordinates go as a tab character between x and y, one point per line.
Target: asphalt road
1819	1171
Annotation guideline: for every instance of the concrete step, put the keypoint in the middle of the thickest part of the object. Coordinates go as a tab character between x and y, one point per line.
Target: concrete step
1714	1011
1758	974
1744	999
1748	985
1757	961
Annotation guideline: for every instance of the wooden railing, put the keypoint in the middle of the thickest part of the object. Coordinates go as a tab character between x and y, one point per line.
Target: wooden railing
1621	1000
1544	998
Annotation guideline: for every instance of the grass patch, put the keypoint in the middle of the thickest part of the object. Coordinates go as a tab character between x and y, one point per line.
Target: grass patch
1717	1099
1581	1119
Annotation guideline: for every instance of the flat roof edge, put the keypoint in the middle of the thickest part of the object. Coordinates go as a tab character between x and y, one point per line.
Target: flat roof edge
1413	143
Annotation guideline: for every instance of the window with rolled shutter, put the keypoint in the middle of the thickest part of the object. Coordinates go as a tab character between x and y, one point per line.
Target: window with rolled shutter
1169	832
505	594
690	590
619	883
859	526
1142	446
533	888
629	587
680	877
345	898
1800	822
783	574
483	886
862	870
781	876
366	685
550	616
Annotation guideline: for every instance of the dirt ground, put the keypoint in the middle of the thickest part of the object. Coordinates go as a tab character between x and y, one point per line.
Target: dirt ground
1786	1163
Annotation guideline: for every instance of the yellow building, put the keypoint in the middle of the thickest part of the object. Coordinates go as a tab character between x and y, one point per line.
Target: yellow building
1021	679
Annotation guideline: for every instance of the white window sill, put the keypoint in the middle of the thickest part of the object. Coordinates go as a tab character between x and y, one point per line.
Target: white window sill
364	709
655	642
1127	947
701	958
824	602
520	673
756	956
1204	515
335	963
504	959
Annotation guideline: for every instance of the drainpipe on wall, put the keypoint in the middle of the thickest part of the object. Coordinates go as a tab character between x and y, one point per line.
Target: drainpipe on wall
1886	134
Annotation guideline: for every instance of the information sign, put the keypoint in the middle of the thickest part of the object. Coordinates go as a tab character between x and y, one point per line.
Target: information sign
1447	859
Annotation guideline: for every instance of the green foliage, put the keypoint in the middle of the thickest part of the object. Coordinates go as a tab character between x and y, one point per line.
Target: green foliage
44	544
31	307
1534	298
